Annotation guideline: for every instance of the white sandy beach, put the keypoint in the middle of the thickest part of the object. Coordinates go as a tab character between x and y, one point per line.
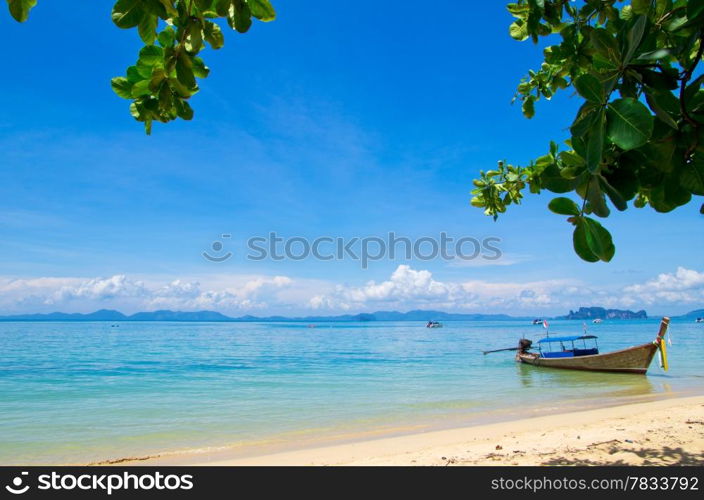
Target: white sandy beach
664	432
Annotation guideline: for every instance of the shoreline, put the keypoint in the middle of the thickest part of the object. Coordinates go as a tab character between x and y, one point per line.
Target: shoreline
666	431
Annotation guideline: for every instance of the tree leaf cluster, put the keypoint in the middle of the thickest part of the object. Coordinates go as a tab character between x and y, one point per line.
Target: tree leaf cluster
638	135
174	32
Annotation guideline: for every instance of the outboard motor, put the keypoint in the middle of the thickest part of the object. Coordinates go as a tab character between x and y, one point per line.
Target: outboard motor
524	345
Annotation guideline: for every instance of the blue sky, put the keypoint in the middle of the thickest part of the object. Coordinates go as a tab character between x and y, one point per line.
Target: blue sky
338	119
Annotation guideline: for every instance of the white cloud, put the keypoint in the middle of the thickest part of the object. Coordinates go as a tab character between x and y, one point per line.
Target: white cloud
120	292
408	288
684	286
100	289
405	289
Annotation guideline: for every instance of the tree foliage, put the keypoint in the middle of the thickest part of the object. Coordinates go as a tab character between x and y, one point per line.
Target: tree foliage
174	33
639	132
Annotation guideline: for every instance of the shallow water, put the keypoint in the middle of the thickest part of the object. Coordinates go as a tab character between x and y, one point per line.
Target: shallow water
81	392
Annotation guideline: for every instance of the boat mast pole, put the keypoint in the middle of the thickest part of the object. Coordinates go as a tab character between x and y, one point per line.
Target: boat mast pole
663	328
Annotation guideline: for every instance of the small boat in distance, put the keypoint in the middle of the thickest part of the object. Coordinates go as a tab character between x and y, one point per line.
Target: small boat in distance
433	324
538	321
699	320
597	321
573	356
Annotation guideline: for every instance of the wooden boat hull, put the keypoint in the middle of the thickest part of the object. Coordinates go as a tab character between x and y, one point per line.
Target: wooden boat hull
632	360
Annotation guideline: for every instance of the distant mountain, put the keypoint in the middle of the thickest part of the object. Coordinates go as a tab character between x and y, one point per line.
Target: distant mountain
167	315
601	313
697	313
584	313
102	315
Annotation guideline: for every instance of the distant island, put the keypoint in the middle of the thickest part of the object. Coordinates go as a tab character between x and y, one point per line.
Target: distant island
697	313
166	315
583	313
601	313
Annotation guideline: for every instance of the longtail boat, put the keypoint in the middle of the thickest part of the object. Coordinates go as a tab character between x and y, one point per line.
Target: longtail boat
575	354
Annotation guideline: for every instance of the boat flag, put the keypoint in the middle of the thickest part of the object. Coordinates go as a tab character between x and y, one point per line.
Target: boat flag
660	357
663	355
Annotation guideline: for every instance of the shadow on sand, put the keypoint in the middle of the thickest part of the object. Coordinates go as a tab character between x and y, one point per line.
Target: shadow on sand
646	456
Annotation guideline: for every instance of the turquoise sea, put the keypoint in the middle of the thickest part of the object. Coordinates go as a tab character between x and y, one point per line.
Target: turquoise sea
73	392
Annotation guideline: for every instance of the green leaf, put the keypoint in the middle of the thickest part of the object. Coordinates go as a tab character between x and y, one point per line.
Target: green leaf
674	193
596	199
213	35
634	37
518	10
184	71
571	159
240	17
135	111
622	176
166	97
167	37
128	13
692	177
186	111
615	197
195	39
595	143
142	70
222	7
122	87
626	13
19	9
199	68
140	89
640	6
653	55
563	206
183	109
586	116
169	11
606	45
579	241
262	10
599	240
158	77
133	75
695	9
590	88
552	180
518	30
528	107
151	55
147	28
629	123
658	103
180	89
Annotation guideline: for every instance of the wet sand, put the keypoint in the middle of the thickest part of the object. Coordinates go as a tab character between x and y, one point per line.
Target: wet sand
663	432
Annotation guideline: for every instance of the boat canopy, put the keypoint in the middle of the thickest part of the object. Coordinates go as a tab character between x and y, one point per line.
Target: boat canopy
566	339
